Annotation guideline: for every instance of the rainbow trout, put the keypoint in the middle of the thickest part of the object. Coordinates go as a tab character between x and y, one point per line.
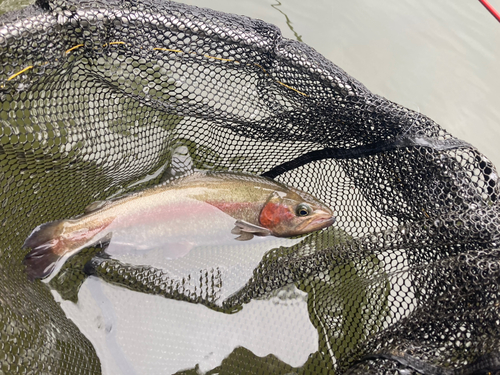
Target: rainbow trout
171	213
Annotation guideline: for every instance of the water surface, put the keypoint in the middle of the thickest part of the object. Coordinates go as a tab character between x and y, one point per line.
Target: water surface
438	58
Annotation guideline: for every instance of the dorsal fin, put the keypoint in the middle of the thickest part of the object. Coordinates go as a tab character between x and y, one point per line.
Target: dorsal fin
94	206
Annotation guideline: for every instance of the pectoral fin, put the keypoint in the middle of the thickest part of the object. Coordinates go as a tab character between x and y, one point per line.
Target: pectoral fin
245	236
247	230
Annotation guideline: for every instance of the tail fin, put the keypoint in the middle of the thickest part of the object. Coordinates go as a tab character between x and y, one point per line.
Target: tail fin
42	258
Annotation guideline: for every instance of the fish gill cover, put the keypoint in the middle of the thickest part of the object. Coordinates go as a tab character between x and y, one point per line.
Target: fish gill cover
95	96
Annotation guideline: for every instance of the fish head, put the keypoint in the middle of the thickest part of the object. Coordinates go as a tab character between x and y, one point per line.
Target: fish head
294	213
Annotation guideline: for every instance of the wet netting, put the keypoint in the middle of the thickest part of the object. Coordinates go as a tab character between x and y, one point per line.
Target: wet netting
103	98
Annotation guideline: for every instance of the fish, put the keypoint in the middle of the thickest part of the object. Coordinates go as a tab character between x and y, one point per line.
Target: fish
167	214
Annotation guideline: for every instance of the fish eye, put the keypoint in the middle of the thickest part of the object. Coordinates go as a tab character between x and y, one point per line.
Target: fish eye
303	209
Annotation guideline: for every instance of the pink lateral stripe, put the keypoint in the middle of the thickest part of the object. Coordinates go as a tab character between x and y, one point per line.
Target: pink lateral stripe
166	213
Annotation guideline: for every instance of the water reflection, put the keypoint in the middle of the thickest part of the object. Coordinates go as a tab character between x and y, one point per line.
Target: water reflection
218	266
160	335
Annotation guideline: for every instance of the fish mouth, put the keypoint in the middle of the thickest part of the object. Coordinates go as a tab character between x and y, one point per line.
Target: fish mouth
323	222
327	221
319	222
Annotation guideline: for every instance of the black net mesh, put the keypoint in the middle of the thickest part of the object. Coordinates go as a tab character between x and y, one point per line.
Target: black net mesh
96	96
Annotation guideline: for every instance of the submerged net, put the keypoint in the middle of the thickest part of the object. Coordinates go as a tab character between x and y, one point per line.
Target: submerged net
100	98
